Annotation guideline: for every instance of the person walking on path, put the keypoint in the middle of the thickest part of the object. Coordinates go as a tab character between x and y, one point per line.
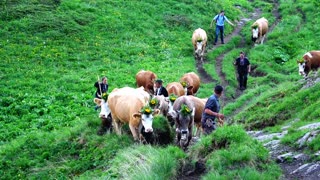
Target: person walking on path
219	19
243	68
211	112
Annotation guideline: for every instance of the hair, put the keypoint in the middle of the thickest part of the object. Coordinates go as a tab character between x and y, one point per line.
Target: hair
159	81
103	78
218	89
242	52
221	11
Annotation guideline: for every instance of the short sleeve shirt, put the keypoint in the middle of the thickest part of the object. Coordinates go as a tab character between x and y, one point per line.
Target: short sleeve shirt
242	64
220	19
213	105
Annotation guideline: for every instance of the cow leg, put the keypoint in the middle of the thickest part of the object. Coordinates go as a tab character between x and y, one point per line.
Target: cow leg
262	38
134	132
198	130
117	125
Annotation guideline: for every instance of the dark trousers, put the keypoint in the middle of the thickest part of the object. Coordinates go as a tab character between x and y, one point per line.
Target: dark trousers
208	126
243	77
219	29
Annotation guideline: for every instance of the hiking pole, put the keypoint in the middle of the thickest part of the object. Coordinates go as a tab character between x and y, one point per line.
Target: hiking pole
99	87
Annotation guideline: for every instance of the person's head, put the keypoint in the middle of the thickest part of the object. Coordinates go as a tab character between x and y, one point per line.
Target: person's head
241	54
222	12
104	80
218	90
158	83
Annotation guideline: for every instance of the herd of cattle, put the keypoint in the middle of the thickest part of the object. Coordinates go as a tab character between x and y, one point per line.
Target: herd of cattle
128	105
131	106
310	60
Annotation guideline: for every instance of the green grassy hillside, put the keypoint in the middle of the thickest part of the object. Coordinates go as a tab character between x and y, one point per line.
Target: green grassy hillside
52	52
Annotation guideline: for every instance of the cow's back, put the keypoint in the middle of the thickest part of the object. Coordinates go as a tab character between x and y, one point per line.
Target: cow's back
146	79
199	107
199	34
123	103
263	25
193	80
175	88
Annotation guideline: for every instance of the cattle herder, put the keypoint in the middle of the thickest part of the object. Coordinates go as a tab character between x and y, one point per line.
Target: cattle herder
102	87
243	68
219	19
211	112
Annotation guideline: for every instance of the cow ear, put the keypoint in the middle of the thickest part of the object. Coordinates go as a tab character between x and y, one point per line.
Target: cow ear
173	114
136	115
156	111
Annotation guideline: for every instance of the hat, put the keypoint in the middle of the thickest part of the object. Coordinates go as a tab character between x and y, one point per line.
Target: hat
159	81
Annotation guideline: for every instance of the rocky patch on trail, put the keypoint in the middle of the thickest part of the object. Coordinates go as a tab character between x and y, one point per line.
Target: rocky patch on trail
294	163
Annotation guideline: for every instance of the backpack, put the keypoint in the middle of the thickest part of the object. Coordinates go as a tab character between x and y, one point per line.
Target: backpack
219	17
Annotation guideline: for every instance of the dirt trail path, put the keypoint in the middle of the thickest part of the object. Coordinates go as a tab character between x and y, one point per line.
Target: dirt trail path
190	173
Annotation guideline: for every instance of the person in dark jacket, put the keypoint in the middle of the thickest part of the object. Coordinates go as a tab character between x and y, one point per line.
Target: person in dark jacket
243	68
211	112
160	90
102	87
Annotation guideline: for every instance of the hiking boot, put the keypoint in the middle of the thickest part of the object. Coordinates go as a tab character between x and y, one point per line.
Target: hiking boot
222	43
214	43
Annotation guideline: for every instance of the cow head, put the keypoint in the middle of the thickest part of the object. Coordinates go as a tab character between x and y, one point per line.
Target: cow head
146	117
187	88
199	46
303	68
170	101
105	110
184	122
255	33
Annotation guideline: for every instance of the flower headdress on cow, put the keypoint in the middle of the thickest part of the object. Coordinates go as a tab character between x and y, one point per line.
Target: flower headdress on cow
153	102
172	98
146	110
255	26
301	61
184	84
105	96
185	110
199	39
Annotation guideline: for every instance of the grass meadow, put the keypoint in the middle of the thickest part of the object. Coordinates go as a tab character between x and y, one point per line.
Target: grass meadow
52	52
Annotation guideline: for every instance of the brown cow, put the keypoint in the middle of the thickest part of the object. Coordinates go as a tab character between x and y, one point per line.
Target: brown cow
199	41
176	89
199	107
126	105
259	30
146	79
310	61
193	82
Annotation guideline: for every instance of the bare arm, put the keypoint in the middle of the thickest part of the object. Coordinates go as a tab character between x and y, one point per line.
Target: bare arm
208	111
211	23
249	68
230	22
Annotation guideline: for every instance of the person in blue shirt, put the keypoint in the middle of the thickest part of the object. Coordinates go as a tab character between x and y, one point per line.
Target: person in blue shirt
219	19
211	112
